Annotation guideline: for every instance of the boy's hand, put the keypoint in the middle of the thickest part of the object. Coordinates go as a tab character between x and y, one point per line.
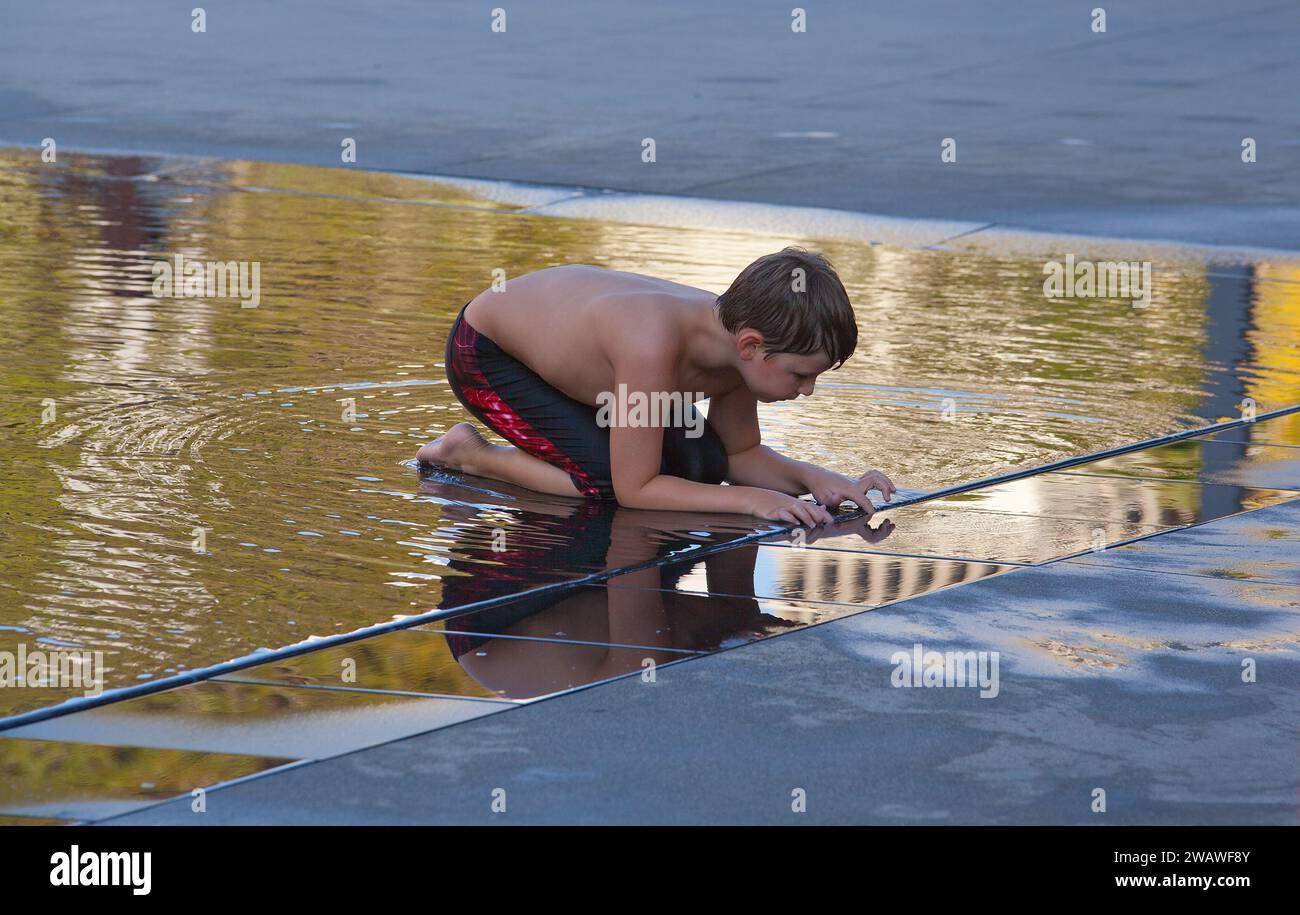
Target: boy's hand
830	489
777	506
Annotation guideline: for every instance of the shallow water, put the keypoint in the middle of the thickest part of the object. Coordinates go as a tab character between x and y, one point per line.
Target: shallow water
129	422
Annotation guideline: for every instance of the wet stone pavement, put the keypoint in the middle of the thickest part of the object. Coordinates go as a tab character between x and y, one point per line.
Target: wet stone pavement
1143	609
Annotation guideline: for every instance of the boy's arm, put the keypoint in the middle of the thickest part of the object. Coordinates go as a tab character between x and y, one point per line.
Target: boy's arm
636	453
734	416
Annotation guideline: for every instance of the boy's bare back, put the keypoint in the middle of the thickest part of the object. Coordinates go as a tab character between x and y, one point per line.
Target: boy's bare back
571	325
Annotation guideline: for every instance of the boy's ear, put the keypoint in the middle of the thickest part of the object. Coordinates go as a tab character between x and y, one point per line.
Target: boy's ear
749	342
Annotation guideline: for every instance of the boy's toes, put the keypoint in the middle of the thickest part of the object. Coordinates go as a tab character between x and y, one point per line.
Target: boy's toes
428	454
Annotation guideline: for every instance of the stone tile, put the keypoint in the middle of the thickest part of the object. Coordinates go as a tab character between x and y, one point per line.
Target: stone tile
959	531
523	669
814	573
660	623
1117	499
33	821
404	661
1281	430
508	540
722	600
455	669
252	719
69	780
1235	464
1261	545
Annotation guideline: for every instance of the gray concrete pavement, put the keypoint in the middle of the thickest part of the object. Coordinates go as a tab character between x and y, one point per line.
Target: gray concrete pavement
1136	131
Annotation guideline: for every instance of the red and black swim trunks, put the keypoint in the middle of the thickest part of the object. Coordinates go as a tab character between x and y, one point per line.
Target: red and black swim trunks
516	403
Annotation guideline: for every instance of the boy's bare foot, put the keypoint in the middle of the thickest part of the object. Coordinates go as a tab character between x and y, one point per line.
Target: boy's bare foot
454	448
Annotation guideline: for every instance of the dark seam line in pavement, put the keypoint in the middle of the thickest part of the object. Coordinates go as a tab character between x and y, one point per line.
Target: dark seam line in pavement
1120	543
1210	441
439	204
533	210
559	641
964	507
510	707
944	241
205	673
369	690
1129	476
935	556
292	764
1073	461
754	597
859	608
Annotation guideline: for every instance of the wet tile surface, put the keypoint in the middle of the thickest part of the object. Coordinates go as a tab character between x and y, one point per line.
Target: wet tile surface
1281	430
1262	546
468	665
404	661
1236	464
1098	686
33	821
725	599
963	533
510	540
663	624
813	573
1040	518
227	717
1116	499
1127	680
80	781
523	669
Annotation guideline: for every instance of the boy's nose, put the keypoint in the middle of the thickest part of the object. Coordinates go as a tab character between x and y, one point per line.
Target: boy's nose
807	389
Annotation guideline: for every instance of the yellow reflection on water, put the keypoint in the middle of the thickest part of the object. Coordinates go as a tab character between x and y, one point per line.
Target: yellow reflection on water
200	489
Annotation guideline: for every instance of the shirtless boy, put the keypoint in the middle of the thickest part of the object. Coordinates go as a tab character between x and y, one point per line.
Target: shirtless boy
537	361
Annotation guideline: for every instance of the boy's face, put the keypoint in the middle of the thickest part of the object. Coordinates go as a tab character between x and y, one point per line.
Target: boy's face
783	376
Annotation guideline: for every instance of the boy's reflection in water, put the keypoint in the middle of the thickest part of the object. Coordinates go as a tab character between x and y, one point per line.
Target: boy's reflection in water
637	618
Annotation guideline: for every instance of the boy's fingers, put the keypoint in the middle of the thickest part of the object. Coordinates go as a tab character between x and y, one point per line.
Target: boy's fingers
853	498
874	479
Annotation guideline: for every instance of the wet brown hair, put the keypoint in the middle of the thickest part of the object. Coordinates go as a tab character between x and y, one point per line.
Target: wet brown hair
817	319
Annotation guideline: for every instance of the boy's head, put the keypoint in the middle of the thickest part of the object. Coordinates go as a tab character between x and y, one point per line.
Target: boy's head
791	319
